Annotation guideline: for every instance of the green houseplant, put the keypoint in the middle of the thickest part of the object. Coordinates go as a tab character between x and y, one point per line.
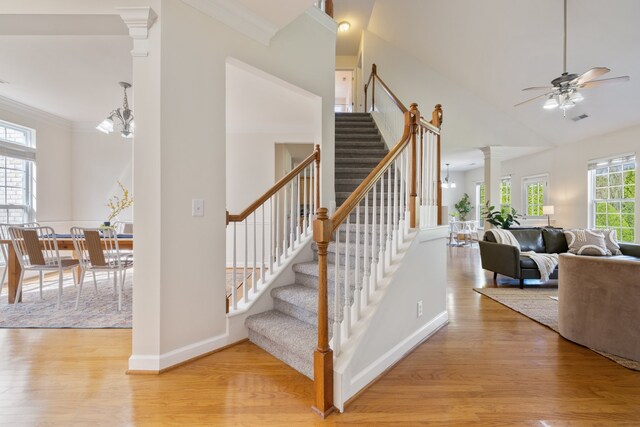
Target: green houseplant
463	207
502	218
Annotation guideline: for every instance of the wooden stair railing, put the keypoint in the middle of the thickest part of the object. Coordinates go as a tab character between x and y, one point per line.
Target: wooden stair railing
410	171
292	202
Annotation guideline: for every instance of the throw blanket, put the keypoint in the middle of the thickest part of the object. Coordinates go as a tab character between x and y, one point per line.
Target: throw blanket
546	262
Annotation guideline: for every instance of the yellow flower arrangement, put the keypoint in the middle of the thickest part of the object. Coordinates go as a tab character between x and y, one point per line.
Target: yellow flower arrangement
117	204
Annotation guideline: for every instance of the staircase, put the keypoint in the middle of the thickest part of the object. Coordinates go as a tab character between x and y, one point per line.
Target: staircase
289	331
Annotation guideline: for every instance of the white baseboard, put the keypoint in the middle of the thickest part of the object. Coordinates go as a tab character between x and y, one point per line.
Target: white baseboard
155	363
352	384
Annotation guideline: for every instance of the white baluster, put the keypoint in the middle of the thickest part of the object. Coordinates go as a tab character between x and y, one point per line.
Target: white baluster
356	291
262	263
285	224
292	230
312	202
381	258
346	322
296	185
336	296
245	284
374	254
407	190
365	261
278	240
234	297
402	202
271	230
305	218
254	282
388	248
394	240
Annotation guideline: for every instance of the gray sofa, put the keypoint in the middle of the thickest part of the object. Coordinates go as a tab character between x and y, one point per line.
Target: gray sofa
506	259
599	303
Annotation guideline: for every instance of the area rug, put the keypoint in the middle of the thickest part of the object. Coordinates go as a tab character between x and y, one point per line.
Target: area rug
240	279
541	305
97	309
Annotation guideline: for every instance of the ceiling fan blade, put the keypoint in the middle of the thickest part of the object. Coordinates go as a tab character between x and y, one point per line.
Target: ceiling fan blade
596	83
593	73
538	88
534	98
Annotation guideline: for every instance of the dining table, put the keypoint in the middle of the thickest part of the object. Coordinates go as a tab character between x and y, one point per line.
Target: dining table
65	243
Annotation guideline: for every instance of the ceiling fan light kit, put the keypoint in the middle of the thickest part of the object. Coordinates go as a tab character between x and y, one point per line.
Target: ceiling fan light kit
565	90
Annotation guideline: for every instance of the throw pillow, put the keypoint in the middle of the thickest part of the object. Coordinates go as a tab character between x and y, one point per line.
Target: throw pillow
586	242
610	240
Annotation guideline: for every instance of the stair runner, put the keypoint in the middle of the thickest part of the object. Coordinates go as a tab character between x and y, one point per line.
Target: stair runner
290	330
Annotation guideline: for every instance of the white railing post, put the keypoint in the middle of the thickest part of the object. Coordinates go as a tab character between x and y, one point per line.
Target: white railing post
346	321
234	297
356	290
381	256
336	295
365	262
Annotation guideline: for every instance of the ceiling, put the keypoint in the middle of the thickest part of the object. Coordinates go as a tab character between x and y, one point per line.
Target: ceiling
494	48
357	13
66	65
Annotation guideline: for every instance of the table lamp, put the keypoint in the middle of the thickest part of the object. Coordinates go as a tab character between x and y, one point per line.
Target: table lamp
548	210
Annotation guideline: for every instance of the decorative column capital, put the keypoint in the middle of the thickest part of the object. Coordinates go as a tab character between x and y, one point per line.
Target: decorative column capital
139	20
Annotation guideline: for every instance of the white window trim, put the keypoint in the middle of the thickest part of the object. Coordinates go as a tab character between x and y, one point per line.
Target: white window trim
23	152
591	189
544	177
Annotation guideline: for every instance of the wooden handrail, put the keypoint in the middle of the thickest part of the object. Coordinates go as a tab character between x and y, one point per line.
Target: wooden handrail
313	157
359	193
373	77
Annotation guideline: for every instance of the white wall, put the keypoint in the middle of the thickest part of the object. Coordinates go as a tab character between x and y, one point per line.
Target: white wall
468	120
179	154
99	161
53	160
566	166
451	196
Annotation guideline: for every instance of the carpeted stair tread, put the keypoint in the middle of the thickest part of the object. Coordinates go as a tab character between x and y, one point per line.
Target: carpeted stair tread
301	302
286	334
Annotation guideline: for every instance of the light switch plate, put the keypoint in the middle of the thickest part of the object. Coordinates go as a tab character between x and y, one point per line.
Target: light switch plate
197	207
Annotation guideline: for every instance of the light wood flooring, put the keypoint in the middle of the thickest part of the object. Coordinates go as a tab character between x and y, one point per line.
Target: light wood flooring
489	366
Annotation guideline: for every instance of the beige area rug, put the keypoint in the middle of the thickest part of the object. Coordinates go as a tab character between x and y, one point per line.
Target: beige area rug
97	309
541	305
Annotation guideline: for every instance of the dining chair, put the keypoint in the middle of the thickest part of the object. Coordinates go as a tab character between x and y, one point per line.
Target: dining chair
37	250
98	250
4	250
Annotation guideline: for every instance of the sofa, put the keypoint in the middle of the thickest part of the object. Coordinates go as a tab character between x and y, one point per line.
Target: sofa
599	303
506	260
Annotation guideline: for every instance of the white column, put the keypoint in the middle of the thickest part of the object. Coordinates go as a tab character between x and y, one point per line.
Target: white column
492	176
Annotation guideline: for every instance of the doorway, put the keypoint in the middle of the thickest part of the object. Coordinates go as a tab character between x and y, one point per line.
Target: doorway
344	91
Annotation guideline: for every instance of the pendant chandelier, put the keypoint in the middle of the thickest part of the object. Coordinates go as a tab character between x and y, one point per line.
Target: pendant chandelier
448	182
123	116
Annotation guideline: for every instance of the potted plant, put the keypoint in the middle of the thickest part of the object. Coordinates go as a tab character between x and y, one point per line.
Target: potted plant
502	218
463	207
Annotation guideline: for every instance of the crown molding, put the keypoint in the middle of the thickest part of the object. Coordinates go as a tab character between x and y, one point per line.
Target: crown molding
15	107
323	19
237	17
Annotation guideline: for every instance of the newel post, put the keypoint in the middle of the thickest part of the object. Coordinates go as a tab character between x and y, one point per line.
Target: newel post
436	120
411	119
323	355
374	73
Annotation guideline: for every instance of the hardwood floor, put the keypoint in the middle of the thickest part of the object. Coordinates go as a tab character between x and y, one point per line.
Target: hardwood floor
489	366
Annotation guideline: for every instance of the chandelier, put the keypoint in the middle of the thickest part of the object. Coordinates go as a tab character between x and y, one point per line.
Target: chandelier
447	181
123	115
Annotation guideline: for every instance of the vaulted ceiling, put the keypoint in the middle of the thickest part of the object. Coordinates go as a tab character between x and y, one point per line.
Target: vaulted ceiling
494	48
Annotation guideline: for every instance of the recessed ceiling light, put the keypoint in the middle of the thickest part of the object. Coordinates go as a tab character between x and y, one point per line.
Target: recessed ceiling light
3	82
344	26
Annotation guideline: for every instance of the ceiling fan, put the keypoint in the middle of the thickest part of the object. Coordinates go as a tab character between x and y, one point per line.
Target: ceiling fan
564	92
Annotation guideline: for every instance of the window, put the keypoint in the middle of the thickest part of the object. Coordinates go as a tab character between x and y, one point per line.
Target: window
505	193
480	201
535	191
17	173
612	193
